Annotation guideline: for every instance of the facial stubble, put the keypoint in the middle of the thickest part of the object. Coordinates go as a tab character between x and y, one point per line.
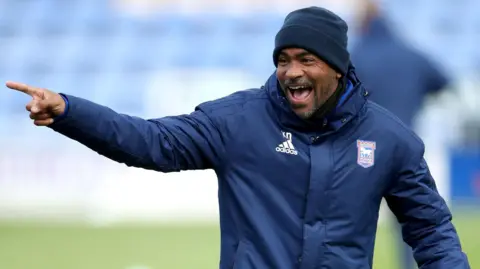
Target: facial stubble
320	97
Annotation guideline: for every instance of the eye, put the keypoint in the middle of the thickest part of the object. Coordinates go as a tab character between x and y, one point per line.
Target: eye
282	61
308	60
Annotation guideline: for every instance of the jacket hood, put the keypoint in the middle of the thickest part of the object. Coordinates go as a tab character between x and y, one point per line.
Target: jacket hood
348	106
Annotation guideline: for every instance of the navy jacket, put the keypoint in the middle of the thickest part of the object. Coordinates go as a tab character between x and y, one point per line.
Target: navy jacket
291	194
397	76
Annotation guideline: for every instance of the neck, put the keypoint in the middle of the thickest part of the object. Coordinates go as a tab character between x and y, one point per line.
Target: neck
331	102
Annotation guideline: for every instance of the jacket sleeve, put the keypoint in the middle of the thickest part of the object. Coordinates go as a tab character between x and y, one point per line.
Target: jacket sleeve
424	216
184	142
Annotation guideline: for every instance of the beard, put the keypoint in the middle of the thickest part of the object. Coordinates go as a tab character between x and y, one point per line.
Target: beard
324	99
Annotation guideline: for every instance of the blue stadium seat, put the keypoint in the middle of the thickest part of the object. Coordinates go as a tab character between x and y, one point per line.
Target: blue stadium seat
95	19
44	51
84	84
88	55
51	18
224	51
122	92
9	28
86	47
141	55
15	17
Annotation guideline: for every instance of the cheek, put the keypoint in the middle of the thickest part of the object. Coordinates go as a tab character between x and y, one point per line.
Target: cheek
280	74
324	79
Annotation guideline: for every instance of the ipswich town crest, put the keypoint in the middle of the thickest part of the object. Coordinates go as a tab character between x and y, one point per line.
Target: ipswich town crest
365	153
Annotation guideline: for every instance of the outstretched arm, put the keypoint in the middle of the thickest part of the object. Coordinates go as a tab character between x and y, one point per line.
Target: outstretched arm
184	142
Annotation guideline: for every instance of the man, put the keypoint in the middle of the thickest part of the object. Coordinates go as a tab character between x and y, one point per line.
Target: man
398	77
302	163
380	56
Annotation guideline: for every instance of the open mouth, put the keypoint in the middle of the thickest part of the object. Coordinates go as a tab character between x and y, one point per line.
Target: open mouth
299	93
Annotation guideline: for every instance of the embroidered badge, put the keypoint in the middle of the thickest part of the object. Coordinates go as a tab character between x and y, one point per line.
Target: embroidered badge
366	153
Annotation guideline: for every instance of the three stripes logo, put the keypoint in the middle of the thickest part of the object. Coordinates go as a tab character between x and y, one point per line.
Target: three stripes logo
287	146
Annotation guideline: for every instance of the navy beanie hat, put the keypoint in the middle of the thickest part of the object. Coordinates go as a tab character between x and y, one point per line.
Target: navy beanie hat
318	31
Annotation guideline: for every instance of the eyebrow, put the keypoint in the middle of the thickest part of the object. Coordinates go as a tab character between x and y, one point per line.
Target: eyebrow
298	55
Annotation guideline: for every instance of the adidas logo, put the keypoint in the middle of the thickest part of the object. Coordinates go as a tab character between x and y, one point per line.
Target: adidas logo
287	146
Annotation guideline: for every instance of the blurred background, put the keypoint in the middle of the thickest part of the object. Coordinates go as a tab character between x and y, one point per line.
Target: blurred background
63	206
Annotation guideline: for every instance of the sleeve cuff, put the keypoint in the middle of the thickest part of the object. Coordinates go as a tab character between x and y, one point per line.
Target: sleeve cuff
67	106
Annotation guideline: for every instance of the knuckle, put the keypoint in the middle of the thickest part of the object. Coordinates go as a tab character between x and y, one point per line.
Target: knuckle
43	116
44	105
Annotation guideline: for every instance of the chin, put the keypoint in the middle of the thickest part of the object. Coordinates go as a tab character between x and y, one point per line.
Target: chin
304	113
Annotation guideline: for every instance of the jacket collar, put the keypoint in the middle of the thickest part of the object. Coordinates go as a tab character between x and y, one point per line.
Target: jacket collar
349	105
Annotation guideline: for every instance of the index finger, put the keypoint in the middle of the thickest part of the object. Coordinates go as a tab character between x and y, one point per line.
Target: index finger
22	88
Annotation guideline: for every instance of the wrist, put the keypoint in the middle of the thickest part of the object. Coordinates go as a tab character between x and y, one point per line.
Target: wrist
66	107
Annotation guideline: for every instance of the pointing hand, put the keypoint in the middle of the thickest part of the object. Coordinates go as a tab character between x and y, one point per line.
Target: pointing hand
44	106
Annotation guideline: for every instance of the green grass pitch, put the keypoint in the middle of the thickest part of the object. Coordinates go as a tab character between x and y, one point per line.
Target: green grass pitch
35	246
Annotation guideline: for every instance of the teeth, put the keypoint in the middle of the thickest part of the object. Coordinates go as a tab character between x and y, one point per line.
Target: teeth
298	87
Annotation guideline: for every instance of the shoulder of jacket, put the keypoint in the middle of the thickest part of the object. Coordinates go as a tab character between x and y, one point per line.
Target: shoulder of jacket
406	149
233	103
394	129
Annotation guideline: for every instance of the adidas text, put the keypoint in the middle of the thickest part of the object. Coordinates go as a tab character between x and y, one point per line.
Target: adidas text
284	150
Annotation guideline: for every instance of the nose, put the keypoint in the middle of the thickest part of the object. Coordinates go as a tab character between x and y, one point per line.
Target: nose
294	71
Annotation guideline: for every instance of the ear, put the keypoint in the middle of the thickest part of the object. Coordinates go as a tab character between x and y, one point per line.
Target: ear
339	75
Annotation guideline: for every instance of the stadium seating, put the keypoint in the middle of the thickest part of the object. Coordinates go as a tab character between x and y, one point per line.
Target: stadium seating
83	46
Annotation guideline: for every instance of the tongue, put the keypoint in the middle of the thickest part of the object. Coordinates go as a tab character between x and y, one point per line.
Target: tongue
301	94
